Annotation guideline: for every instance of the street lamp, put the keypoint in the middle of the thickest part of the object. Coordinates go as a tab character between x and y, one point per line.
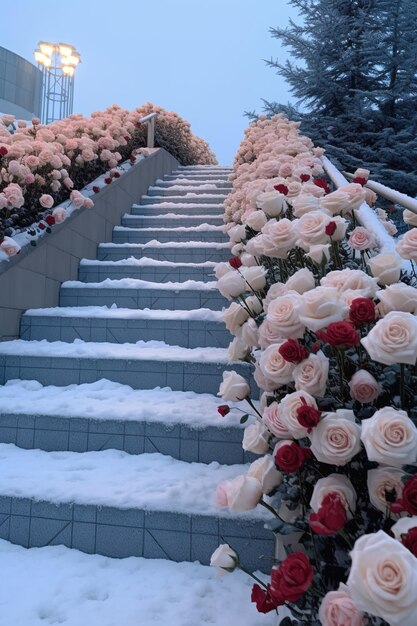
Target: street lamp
58	62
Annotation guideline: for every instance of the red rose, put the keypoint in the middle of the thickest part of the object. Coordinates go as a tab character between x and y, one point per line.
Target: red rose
308	416
116	174
292	351
330	517
410	540
235	262
223	409
339	335
281	189
41	226
138	124
330	228
292	578
3	151
127	138
359	180
263	599
107	180
290	457
96	189
321	182
408	501
50	220
132	158
362	311
316	346
305	177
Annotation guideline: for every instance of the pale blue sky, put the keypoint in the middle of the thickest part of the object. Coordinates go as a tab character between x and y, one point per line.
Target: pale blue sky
200	58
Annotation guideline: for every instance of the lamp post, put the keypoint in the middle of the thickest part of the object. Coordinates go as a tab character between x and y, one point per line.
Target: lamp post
57	62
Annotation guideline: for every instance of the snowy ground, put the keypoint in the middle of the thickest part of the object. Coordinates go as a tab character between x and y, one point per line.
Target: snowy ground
55	585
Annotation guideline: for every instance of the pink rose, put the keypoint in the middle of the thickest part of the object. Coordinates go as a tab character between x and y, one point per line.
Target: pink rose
383	483
9	246
334	483
304	203
363	387
336	438
361	239
301	281
320	307
274	367
311	228
390	438
240	494
386	268
283	316
336	203
338	609
398	297
311	374
288	412
279	238
343	280
407	246
46	201
271	417
393	339
88	203
60	215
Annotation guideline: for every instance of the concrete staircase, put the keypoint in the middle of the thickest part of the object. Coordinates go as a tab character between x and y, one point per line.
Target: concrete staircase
110	441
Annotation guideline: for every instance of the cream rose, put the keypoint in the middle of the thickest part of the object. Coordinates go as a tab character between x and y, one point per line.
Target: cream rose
410	217
403	526
334	483
336	203
304	203
320	307
265	471
9	246
393	339
342	280
361	239
242	493
361	172
311	228
255	277
256	438
390	438
283	316
252	302
356	193
225	558
234	317
319	254
363	387
386	268
231	285
256	220
271	202
278	238
222	268
311	374
233	387
274	367
338	609
407	246
383	579
248	260
301	281
237	350
288	412
383	481
249	333
59	214
398	297
272	419
336	438
237	233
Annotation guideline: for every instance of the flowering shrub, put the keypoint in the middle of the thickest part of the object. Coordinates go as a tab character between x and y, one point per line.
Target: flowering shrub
329	321
40	166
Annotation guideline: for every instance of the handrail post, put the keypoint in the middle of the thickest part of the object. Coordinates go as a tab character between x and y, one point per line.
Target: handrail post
151	133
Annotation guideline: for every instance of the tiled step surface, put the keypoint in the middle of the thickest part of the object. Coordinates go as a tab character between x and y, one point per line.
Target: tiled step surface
178	191
200	178
188	333
184	209
114	292
100	270
123	234
178	182
150	221
200	252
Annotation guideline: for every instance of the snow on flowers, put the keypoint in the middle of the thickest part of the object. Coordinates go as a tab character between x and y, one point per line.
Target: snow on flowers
330	326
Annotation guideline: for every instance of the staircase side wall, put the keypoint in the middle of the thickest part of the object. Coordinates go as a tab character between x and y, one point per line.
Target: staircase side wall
33	278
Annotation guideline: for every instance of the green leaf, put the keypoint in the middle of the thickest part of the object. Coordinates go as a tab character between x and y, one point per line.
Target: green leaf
244	419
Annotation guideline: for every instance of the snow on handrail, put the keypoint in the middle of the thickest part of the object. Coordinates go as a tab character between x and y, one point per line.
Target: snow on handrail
391	194
149	120
365	215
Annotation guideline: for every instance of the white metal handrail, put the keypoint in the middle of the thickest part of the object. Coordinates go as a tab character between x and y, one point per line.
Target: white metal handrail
391	194
365	215
149	120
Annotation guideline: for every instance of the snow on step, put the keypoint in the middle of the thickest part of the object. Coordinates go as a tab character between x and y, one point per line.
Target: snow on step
205	232
203	206
74	589
108	415
183	181
190	198
189	210
145	269
189	329
142	365
151	482
169	221
135	283
189	252
119	504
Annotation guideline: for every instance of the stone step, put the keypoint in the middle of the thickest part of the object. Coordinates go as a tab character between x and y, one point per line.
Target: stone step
170	220
141	365
205	178
179	190
107	415
204	169
144	269
212	199
205	232
190	182
169	209
170	251
123	505
189	329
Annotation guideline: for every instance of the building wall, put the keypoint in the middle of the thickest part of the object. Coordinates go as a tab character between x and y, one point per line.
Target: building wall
20	86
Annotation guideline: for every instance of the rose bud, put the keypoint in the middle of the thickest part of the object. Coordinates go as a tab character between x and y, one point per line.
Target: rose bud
322	183
223	409
308	415
263	599
339	335
331	516
225	558
331	228
292	351
116	174
132	158
3	151
96	189
235	262
50	220
41	226
359	180
289	456
108	180
305	177
362	311
281	189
